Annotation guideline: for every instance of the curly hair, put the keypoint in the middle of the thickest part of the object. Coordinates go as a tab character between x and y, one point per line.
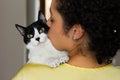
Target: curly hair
101	21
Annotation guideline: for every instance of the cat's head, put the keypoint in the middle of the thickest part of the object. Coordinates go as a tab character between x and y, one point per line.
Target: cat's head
35	33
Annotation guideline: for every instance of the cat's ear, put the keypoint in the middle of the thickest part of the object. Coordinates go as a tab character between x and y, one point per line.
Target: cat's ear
41	17
21	29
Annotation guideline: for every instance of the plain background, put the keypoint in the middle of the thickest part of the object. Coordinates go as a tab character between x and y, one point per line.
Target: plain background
12	50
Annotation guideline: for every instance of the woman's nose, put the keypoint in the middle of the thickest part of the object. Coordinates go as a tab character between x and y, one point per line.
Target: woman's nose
48	22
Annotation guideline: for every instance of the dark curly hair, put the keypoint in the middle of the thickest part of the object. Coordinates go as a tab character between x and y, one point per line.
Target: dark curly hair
101	21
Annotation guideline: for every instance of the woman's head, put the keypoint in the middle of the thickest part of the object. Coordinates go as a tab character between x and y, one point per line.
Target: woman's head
100	21
56	32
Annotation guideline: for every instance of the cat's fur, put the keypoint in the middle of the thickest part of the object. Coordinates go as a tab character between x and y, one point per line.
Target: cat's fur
40	47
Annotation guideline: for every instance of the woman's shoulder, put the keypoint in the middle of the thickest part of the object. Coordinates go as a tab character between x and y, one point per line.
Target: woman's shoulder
68	66
115	68
34	66
33	71
30	71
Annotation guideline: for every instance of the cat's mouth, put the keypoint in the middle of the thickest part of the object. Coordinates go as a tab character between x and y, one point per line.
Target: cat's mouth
38	44
34	43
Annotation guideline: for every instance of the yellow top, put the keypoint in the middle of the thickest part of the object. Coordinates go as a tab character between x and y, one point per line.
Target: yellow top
67	72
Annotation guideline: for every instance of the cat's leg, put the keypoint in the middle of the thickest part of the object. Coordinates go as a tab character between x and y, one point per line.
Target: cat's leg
53	62
63	59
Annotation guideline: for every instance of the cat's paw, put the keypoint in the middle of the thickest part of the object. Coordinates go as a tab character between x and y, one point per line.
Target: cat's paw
64	59
54	63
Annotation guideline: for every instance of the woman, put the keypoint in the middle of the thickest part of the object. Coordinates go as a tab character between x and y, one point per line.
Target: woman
89	30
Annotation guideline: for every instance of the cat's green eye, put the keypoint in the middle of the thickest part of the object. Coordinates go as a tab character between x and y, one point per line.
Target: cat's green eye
42	30
29	35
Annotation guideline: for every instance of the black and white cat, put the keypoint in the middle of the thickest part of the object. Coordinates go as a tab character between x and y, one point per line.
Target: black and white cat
40	47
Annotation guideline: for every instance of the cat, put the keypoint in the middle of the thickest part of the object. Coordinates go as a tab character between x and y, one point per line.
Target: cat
40	48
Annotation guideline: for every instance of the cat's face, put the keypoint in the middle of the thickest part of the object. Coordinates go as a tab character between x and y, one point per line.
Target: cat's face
35	33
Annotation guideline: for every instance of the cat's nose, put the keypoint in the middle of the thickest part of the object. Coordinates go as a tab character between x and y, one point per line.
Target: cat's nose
38	39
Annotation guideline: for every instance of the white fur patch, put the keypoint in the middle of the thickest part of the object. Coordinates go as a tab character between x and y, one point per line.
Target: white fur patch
43	52
33	42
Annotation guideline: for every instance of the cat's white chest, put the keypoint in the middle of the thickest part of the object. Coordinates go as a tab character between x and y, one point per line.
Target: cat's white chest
46	54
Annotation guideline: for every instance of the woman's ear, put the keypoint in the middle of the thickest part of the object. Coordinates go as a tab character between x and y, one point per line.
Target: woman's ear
78	32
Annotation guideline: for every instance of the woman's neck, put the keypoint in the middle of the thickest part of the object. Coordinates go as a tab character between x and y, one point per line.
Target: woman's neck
85	61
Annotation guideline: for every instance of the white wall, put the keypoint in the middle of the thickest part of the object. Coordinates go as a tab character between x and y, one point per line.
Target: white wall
33	7
12	50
